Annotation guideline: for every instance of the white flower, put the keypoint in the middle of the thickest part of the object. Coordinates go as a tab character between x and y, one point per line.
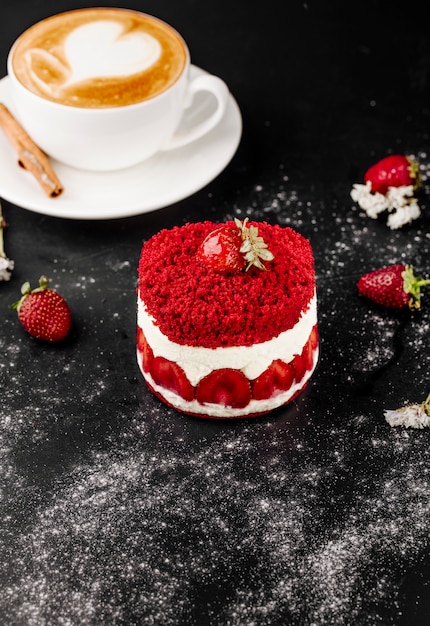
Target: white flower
399	202
372	203
399	196
411	415
404	215
6	267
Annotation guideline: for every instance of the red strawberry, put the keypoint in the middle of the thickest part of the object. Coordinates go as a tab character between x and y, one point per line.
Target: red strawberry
393	286
393	171
43	312
230	249
145	349
225	386
303	362
314	338
221	250
171	376
278	377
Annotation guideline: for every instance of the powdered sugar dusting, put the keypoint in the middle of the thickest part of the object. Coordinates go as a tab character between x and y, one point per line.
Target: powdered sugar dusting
156	529
315	515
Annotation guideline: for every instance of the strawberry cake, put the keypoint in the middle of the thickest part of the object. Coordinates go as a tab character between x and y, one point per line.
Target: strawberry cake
227	317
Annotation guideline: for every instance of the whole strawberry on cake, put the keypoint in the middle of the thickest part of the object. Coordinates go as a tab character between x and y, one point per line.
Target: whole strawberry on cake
227	317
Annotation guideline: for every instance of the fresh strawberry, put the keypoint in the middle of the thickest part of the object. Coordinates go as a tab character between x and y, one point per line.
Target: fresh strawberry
393	171
303	362
145	350
314	338
231	249
43	312
220	250
393	286
225	386
171	376
278	377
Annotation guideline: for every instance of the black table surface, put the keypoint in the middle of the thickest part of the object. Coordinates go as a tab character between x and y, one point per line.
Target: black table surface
116	509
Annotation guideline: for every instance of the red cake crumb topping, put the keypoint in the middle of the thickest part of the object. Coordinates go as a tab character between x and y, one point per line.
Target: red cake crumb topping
196	306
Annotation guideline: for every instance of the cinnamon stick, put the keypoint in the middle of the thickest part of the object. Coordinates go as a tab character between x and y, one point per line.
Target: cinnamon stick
30	156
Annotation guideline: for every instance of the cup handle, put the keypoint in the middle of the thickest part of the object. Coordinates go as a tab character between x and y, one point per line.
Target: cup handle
192	126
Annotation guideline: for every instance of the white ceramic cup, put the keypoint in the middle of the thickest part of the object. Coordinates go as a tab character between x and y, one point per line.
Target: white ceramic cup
116	137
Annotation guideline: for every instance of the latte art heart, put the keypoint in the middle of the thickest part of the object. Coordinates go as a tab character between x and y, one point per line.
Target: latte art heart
99	57
116	53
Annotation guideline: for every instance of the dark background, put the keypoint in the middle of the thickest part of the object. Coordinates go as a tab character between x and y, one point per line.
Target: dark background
118	510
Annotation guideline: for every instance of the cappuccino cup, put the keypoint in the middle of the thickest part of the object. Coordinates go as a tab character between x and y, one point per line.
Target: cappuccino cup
106	88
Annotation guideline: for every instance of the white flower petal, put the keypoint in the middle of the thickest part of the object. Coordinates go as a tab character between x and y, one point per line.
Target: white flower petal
411	416
403	215
372	203
399	196
6	267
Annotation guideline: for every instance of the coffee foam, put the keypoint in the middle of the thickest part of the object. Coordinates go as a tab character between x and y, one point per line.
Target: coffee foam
117	54
99	57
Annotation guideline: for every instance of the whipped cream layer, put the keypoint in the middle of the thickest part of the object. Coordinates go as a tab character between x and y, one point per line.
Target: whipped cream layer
251	360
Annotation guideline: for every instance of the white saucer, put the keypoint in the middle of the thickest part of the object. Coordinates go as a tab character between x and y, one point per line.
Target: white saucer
160	181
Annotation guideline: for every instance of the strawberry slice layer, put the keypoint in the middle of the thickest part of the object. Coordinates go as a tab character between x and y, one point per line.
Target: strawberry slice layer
278	377
145	350
171	376
228	386
314	337
303	362
225	386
